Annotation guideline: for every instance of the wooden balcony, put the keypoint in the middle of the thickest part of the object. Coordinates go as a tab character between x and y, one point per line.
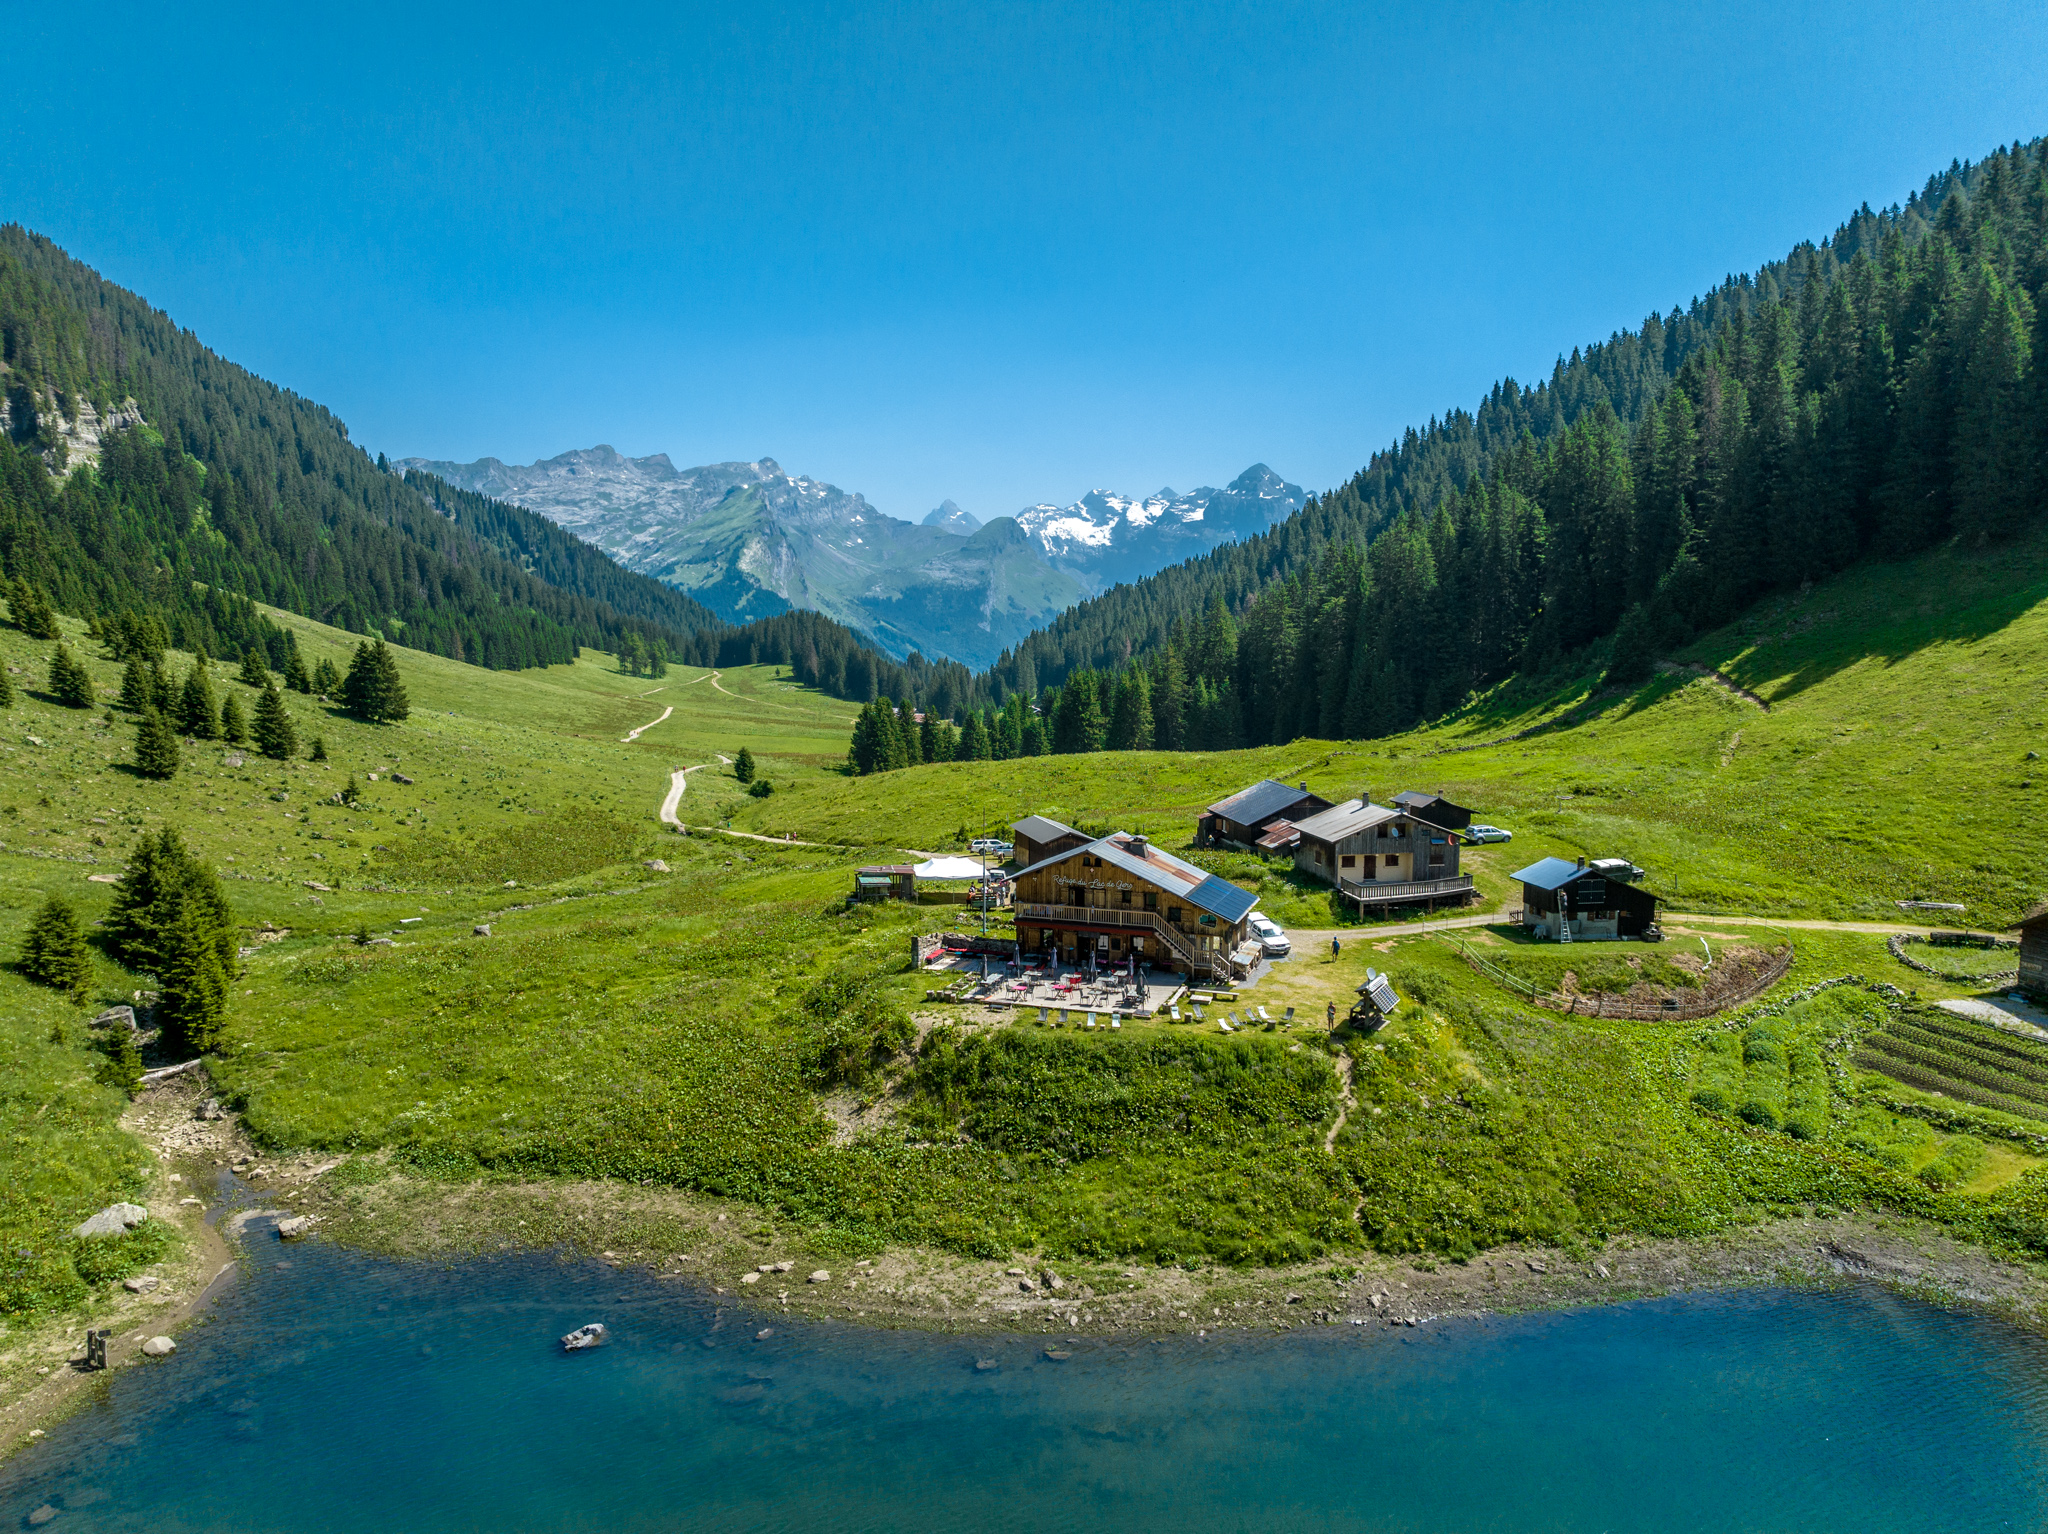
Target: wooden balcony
1371	892
1199	961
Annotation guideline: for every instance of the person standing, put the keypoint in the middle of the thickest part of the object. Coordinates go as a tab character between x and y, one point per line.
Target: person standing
1335	948
1330	1014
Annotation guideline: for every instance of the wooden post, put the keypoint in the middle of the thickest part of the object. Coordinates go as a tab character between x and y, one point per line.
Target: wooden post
96	1349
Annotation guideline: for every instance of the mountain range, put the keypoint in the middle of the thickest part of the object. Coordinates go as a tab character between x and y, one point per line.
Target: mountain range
749	540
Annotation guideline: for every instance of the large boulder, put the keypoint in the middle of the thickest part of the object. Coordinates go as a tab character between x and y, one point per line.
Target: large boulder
113	1015
114	1220
295	1227
159	1347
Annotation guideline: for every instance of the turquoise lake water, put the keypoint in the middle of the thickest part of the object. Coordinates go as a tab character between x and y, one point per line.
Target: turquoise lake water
334	1392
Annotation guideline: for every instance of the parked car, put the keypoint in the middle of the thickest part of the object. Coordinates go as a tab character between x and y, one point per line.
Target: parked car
989	845
1488	834
1272	940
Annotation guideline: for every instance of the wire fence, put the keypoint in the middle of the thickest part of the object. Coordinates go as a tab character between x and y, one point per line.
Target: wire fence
1670	1009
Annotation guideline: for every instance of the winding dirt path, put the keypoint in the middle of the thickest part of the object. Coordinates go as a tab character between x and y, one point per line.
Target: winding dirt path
626	740
679	782
1718	678
1345	1103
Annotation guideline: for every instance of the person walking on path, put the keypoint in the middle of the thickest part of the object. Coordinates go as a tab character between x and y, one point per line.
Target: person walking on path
1335	948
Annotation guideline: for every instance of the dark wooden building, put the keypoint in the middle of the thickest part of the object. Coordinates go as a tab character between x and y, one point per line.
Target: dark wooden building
2033	931
1035	837
1243	819
1434	808
1573	902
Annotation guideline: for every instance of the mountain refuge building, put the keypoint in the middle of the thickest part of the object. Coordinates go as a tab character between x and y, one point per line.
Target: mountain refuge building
1119	898
1258	819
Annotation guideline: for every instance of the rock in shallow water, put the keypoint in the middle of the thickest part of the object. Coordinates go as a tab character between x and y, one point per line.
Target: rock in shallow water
295	1227
159	1347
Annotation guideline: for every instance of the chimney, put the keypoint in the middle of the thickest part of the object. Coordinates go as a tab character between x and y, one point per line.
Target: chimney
1582	860
1139	845
1304	785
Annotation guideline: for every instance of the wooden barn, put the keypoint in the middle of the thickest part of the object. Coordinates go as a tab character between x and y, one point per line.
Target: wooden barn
1246	818
885	881
1120	898
1433	808
2033	931
1576	902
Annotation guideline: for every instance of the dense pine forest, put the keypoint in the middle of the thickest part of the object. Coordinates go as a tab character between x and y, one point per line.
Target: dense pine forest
233	491
1869	397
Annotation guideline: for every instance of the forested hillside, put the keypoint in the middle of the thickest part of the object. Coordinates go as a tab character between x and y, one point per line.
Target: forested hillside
235	491
1866	398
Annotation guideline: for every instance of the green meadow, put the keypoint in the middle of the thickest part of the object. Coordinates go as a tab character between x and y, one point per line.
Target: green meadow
691	1026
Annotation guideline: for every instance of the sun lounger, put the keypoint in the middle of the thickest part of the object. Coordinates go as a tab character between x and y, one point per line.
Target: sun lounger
1173	1013
1223	1024
1041	1017
1262	1016
1116	1023
1288	1018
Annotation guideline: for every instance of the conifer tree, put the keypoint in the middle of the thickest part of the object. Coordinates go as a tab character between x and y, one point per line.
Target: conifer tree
234	722
70	683
1130	724
974	746
295	672
253	673
275	736
373	690
198	712
326	678
138	685
317	752
192	977
6	689
54	951
743	766
156	746
160	870
32	611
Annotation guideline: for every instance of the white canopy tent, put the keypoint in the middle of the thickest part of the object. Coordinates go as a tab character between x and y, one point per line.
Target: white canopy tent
950	868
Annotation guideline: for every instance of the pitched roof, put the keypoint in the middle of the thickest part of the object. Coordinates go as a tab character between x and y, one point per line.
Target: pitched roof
2032	919
1346	819
1038	828
1279	833
1196	886
1265	798
1551	873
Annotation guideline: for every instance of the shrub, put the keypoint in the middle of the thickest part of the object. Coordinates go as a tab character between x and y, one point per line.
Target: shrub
1761	1114
851	1026
1802	1126
54	952
762	789
1710	1099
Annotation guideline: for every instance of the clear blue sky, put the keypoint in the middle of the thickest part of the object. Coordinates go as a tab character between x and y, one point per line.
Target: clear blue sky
998	253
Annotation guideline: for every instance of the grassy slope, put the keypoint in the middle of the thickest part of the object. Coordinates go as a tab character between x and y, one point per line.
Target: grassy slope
1904	700
626	1023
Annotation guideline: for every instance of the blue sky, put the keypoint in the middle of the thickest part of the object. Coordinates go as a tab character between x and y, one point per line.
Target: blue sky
997	253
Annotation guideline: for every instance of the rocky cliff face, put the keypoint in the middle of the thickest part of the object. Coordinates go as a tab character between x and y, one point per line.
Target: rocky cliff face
79	435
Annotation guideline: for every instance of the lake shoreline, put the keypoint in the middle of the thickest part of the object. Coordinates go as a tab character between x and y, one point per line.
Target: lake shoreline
714	1246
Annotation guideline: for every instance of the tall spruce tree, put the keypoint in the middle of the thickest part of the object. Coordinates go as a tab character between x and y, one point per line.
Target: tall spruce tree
70	683
192	975
373	690
198	710
234	721
253	673
54	952
273	730
138	685
156	746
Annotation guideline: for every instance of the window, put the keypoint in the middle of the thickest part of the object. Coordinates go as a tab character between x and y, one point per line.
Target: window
1173	913
1436	857
1102	941
1348	861
1124	896
1400	831
1151	900
1393	860
1384	833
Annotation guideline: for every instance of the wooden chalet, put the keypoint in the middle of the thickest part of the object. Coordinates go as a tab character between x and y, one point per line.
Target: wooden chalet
2033	931
1260	818
1119	897
1380	855
1035	838
1572	902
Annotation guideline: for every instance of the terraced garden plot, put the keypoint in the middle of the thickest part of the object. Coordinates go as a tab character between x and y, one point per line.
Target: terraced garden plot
1979	1065
1962	963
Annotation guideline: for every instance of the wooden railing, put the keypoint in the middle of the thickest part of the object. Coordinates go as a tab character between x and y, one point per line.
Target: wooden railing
1370	890
1199	961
